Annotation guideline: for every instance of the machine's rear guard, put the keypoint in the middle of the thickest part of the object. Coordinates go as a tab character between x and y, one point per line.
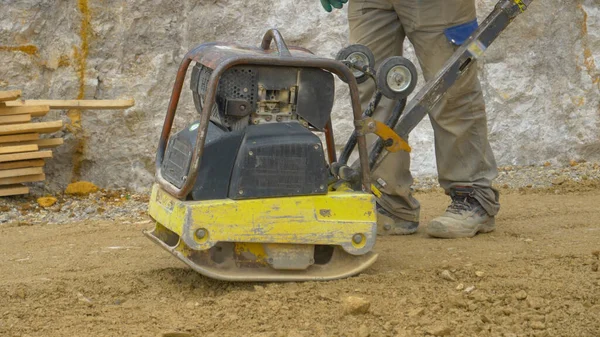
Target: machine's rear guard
220	262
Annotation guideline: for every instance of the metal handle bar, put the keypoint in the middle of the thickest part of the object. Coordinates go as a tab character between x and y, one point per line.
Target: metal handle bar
273	34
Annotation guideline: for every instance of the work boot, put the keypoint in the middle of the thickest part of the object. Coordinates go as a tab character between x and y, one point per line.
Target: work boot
389	224
465	217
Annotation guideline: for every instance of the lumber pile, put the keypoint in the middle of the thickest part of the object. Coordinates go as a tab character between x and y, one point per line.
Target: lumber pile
22	150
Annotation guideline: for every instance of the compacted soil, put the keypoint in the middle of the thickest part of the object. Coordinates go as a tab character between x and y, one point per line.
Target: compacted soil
536	275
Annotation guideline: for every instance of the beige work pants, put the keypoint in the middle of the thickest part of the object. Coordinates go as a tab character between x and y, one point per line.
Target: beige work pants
463	153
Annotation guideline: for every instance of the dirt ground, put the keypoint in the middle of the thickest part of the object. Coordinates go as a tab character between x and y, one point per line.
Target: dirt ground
537	275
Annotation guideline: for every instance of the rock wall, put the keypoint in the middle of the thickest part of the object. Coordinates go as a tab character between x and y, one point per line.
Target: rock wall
541	78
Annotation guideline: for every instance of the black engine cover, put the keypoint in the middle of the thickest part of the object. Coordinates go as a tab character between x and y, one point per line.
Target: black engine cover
279	159
268	160
220	150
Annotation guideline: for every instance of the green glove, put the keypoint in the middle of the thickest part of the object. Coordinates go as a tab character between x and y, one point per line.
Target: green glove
327	4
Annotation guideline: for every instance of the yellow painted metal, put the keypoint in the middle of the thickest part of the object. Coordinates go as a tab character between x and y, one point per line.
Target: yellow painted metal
375	191
385	132
521	5
331	219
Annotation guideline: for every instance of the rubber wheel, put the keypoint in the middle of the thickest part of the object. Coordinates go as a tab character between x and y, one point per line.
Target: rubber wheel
357	52
396	77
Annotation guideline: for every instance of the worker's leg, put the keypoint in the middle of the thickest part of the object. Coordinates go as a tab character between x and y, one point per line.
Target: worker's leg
375	24
465	162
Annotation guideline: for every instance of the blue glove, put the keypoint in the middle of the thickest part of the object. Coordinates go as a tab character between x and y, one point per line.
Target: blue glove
328	4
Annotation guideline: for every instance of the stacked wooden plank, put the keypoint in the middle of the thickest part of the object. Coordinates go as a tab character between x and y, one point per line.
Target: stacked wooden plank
22	150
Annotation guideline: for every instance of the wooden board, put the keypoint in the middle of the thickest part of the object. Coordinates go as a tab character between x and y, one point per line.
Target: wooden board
21	172
44	127
23	179
107	104
25	156
9	95
34	111
15	119
13	190
46	143
21	164
18	148
19	138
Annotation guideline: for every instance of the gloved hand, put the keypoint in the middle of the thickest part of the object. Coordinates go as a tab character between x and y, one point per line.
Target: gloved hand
327	4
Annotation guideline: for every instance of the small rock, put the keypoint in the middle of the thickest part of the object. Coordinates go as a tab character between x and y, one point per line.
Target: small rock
508	311
479	273
363	331
20	293
460	286
547	164
537	325
535	302
469	289
46	201
416	312
446	275
83	298
443	330
81	188
521	295
596	254
528	240
559	180
259	288
356	305
595	266
485	319
573	163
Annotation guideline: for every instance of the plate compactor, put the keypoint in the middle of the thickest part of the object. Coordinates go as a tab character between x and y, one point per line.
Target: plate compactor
248	192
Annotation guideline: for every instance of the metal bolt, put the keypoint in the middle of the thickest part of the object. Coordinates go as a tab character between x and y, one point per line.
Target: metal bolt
398	78
371	125
268	118
241	192
245	89
255	121
242	107
357	238
387	227
270	260
316	147
201	233
322	187
279	118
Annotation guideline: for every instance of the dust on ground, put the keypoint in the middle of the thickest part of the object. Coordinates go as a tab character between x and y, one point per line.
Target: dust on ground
537	275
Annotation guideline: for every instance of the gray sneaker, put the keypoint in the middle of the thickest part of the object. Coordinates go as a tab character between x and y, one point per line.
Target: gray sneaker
464	218
389	224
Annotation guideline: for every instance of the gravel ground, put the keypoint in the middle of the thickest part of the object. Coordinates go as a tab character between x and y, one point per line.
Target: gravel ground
120	205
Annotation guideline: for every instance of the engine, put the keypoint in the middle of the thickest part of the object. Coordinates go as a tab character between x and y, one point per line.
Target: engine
260	141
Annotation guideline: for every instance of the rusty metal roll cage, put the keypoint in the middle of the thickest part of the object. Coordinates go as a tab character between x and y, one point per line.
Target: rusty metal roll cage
220	63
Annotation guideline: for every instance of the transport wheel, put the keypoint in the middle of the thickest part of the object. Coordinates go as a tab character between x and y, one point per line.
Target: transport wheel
396	77
357	53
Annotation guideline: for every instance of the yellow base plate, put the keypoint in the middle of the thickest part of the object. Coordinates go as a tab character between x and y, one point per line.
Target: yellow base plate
319	237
